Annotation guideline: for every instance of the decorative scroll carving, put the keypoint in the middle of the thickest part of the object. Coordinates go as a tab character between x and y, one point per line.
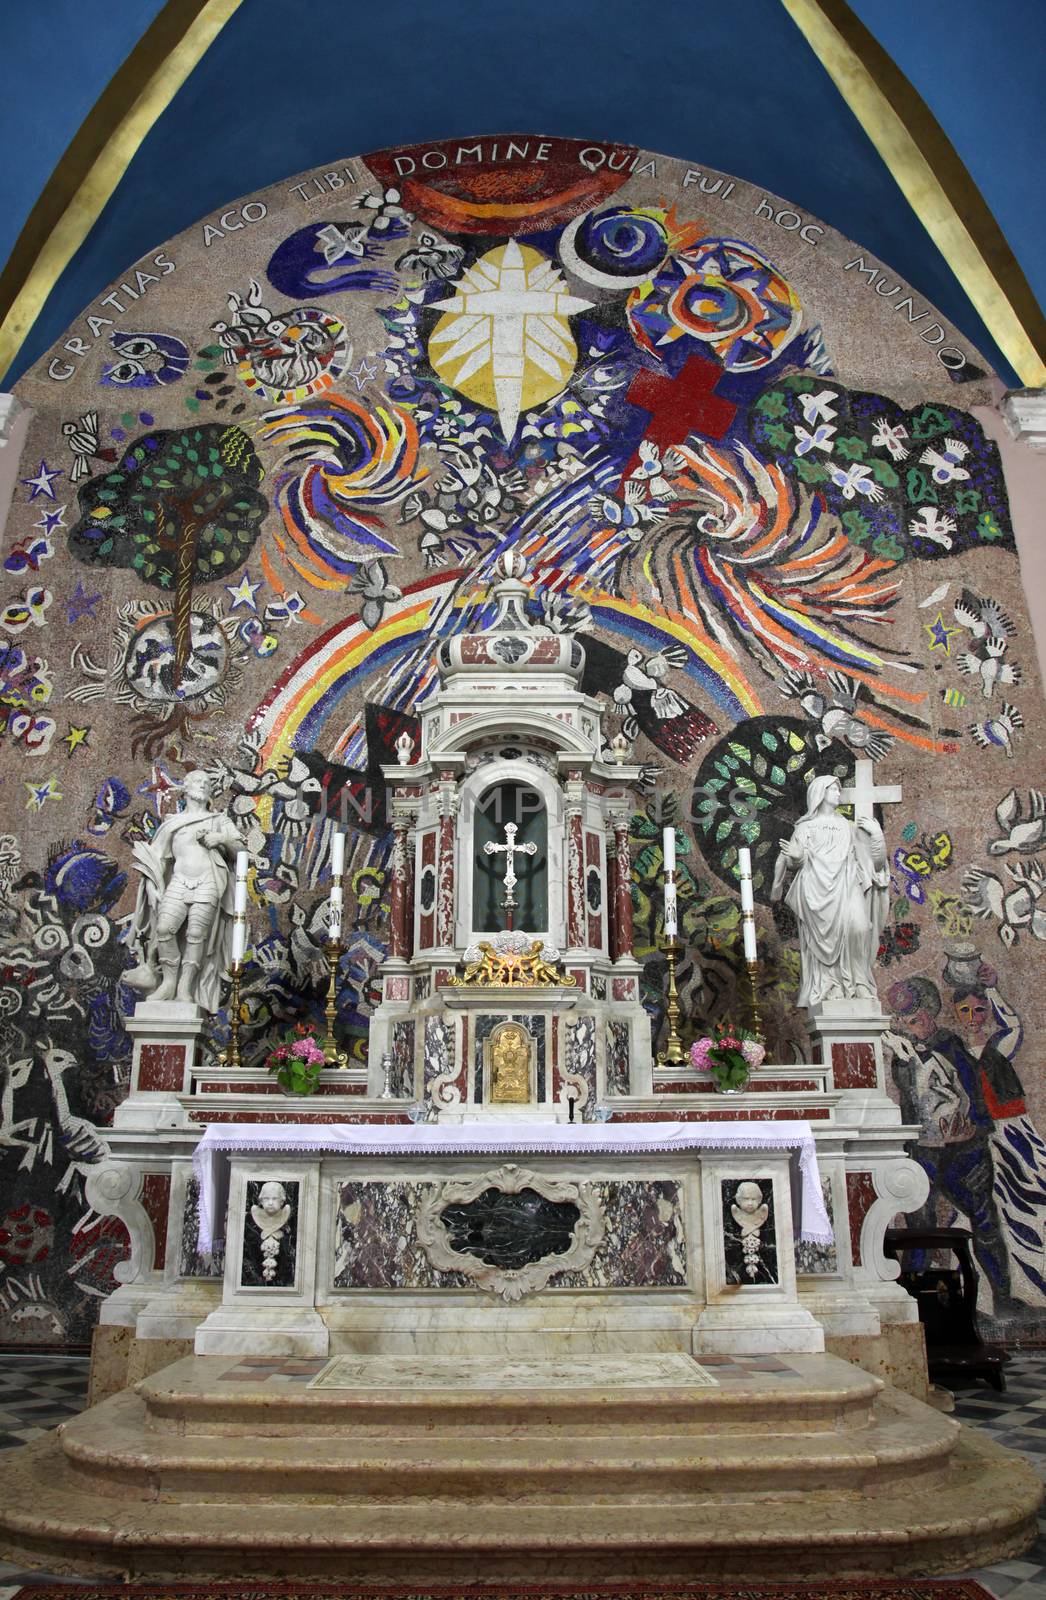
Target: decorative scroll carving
114	1189
511	1283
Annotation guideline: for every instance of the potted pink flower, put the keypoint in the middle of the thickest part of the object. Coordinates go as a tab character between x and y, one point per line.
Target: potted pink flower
729	1055
297	1062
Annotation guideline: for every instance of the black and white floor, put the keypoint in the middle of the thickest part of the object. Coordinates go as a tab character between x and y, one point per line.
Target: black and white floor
39	1392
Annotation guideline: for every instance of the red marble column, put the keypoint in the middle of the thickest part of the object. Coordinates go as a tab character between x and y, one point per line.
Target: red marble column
399	941
576	923
445	879
621	922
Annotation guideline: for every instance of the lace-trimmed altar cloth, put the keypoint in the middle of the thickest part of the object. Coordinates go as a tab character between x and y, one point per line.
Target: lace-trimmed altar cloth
490	1138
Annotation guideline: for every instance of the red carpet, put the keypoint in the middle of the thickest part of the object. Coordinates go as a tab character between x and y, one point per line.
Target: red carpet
826	1589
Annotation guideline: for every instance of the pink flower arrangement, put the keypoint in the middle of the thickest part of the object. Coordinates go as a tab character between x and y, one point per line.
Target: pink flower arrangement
729	1056
297	1063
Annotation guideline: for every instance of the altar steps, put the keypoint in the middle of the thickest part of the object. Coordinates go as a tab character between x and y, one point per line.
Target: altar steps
411	1395
452	1476
637	1466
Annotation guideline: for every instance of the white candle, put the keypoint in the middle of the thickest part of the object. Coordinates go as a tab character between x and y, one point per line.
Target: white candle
338	853
670	911
239	941
335	911
668	848
744	871
748	934
240	897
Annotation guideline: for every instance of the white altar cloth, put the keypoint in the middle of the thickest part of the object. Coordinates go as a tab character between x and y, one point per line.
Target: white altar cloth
520	1138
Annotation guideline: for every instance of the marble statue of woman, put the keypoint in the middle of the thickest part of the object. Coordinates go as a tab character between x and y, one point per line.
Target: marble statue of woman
839	894
182	920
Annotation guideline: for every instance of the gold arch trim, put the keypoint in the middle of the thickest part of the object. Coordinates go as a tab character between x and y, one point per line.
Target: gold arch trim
933	178
101	151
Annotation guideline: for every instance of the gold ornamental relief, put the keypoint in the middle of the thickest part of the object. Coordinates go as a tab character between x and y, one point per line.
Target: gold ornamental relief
510	1052
504	969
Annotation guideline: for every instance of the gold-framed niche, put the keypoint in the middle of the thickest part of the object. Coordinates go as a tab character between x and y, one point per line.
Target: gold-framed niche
510	1064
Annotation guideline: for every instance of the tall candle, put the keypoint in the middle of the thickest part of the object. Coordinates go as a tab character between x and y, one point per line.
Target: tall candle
239	940
338	853
668	848
670	911
744	871
240	897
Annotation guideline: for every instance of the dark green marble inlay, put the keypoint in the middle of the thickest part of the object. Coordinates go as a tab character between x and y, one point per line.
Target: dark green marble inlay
511	1230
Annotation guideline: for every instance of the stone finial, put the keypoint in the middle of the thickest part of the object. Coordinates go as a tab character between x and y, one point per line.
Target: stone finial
10	410
1024	413
621	749
511	564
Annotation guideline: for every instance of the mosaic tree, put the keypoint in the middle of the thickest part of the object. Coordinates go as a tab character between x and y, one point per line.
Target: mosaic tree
181	508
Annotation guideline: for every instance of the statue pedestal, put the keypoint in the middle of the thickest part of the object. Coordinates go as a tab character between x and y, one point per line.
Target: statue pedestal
166	1036
847	1035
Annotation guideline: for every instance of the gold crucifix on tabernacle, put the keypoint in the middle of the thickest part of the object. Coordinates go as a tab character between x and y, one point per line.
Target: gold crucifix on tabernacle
510	849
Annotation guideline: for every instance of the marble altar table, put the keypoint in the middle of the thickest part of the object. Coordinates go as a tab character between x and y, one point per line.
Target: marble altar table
488	1236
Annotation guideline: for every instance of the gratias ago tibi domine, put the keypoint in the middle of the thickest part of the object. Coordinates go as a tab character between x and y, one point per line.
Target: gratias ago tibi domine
617	488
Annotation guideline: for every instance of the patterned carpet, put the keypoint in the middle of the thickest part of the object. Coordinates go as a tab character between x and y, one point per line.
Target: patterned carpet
39	1392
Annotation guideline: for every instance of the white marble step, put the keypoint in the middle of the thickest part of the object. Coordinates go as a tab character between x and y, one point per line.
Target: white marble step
110	1450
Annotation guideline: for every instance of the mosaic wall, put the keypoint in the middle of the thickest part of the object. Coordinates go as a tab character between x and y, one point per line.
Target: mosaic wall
275	463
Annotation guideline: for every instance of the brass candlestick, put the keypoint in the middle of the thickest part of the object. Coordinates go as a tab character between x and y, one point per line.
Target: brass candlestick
333	1056
674	1054
755	1018
230	1056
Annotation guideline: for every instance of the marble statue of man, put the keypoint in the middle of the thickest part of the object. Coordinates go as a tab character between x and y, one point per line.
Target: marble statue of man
183	917
840	895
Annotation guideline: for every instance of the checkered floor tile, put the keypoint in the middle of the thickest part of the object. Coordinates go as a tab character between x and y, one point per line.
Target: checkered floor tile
39	1392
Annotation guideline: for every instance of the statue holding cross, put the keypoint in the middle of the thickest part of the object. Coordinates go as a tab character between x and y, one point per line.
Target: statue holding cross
510	849
840	888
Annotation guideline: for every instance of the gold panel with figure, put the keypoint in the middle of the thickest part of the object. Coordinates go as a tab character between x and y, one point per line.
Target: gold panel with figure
510	1054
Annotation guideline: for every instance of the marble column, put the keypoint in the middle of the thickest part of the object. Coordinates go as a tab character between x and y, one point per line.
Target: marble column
621	922
445	878
399	896
576	924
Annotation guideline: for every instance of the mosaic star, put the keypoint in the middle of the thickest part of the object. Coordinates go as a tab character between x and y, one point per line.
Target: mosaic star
243	593
43	483
51	519
40	793
75	737
82	604
941	634
505	341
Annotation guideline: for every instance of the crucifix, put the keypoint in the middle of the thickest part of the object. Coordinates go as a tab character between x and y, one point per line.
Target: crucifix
510	849
864	793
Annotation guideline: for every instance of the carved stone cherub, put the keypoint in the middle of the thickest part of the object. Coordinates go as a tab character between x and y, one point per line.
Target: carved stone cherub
749	1209
270	1216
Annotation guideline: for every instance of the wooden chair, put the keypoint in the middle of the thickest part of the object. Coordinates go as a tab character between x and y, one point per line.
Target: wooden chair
947	1306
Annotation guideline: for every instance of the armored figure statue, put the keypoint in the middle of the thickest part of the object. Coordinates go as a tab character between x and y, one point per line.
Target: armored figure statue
182	923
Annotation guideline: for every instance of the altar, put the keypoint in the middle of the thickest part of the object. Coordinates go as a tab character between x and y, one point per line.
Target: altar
528	1285
341	1239
514	1161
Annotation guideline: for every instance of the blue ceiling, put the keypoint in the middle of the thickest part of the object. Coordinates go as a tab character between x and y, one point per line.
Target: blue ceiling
736	87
